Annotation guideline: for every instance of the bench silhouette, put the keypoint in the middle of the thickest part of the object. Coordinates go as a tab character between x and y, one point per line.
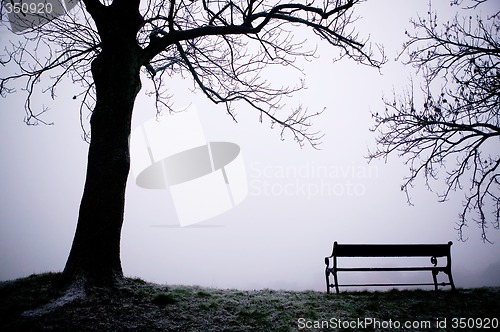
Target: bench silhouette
389	250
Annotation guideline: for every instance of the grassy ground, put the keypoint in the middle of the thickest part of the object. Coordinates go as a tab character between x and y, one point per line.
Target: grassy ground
139	306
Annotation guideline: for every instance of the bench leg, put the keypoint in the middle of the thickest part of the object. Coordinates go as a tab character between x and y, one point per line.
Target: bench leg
434	277
327	274
336	282
450	278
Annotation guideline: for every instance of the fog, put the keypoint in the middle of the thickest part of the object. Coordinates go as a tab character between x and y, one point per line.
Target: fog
300	200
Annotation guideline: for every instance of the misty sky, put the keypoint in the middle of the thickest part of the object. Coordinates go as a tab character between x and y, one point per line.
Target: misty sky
300	200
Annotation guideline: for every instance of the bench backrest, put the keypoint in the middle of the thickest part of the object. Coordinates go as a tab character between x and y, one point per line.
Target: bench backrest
391	250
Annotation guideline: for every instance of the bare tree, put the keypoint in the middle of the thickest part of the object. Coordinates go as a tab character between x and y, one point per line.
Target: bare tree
452	128
104	46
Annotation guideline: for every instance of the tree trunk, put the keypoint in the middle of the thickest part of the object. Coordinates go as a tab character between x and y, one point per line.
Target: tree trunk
95	252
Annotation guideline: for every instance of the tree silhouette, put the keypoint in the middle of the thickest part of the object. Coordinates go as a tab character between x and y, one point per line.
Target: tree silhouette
453	127
105	46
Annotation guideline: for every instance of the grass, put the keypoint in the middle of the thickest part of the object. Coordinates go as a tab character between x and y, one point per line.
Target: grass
140	306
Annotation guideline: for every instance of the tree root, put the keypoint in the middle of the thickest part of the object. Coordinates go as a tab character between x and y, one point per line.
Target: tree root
75	292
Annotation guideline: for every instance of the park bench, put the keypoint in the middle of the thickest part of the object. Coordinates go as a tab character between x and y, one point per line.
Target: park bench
434	251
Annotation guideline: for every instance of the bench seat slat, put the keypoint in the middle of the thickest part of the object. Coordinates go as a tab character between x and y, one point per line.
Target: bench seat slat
409	268
402	284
